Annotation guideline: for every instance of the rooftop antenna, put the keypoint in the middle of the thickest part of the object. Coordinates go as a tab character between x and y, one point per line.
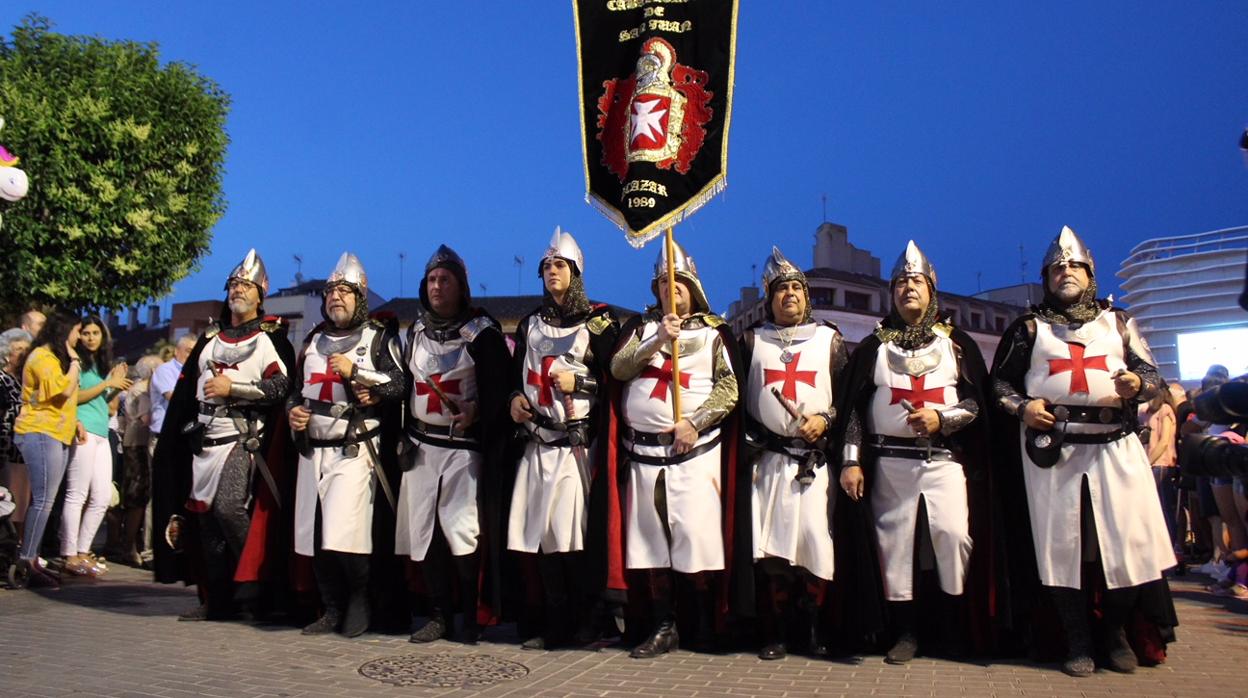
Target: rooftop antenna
519	267
979	281
485	291
298	269
753	273
1022	265
825	208
402	258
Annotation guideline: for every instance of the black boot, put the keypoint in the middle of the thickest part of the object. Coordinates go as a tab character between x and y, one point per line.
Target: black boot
770	623
664	638
331	584
559	616
807	612
907	644
436	573
952	627
467	571
434	628
356	620
1117	605
1073	612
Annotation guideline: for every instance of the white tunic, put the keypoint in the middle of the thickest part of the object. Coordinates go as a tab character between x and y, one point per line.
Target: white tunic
441	482
900	482
1075	367
246	359
344	486
791	521
694	513
548	508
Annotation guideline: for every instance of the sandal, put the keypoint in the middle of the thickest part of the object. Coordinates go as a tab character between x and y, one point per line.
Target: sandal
82	567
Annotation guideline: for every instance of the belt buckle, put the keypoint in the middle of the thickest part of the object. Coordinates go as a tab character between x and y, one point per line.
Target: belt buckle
1106	415
1061	413
337	409
251	444
666	438
351	450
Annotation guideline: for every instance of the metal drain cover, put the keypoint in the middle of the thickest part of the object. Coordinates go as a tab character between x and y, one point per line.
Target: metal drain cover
444	670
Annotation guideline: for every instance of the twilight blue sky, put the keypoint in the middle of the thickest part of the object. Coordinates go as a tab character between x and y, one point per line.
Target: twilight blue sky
388	127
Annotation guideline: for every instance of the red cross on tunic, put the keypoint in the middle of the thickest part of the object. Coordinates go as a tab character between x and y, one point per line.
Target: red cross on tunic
791	376
326	380
664	376
1078	365
542	381
917	394
222	366
435	401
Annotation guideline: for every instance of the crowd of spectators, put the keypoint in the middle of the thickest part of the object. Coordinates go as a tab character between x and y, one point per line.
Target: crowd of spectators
77	429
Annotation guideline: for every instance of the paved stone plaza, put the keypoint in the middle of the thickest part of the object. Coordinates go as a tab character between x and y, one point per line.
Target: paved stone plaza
118	637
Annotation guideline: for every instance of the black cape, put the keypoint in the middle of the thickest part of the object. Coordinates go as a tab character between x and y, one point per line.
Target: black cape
267	551
986	591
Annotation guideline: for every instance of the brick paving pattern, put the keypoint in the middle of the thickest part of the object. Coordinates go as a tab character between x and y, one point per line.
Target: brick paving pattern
118	636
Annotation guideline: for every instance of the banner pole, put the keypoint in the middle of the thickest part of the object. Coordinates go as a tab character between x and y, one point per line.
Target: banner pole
671	303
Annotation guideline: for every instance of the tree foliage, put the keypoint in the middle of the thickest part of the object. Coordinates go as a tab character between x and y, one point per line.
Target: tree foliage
125	158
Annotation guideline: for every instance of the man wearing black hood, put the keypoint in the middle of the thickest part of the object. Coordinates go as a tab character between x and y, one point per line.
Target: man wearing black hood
457	361
914	436
348	367
1073	371
558	386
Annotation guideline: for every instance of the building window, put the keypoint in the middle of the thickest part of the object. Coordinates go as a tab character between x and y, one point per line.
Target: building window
977	320
858	301
1000	323
821	297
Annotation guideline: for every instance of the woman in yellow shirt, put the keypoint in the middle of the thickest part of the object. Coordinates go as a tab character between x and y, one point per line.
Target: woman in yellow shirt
46	426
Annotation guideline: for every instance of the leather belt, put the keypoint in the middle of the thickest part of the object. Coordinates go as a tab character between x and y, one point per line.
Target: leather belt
671	460
220	440
900	447
576	427
786	444
339	443
648	438
1094	438
1086	414
436	435
208	409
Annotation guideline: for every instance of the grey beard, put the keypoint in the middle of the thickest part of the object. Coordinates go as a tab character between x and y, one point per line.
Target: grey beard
242	307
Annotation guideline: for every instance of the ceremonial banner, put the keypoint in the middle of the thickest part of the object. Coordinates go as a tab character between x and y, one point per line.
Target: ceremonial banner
656	101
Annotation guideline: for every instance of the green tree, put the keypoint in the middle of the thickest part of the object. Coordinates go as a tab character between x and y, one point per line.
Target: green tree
125	158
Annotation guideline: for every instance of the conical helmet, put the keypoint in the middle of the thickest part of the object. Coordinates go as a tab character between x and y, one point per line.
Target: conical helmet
251	269
564	246
444	256
913	261
1067	248
349	271
778	267
686	270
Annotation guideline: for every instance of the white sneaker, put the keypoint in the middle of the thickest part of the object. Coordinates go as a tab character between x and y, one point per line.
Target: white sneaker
1207	568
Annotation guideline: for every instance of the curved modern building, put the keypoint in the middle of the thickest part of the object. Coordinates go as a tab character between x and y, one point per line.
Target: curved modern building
1184	292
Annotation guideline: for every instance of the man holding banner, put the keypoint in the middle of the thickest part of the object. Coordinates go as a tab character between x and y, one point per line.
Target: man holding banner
678	467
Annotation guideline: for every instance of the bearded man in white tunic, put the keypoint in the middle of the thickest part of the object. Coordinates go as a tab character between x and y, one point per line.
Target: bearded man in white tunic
457	361
212	462
348	366
1073	371
793	365
914	390
558	374
674	515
